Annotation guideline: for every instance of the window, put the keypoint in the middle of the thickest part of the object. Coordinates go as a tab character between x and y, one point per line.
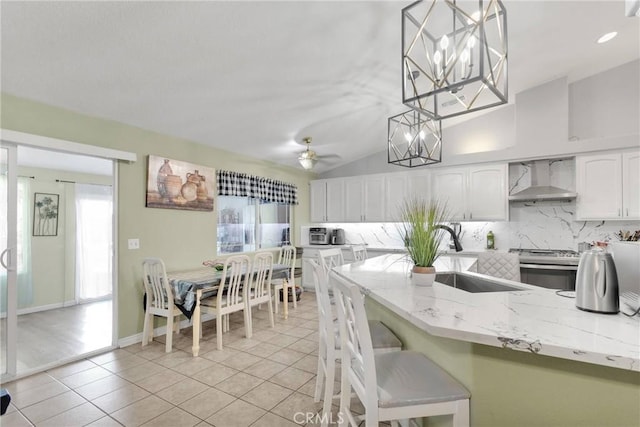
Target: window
246	224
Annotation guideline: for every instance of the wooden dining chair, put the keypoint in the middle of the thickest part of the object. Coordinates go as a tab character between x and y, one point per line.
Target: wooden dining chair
398	385
287	257
231	295
260	290
159	301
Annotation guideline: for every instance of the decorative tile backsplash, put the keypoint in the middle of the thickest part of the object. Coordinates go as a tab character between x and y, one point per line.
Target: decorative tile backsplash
543	225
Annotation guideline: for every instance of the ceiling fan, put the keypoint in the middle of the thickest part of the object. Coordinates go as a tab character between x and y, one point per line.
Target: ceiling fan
309	158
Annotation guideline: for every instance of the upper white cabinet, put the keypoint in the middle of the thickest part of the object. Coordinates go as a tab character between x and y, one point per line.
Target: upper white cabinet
450	186
364	198
327	200
476	193
395	190
608	186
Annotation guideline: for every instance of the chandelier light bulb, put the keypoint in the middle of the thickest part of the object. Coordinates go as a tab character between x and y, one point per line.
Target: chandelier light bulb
422	135
471	42
437	57
444	42
407	136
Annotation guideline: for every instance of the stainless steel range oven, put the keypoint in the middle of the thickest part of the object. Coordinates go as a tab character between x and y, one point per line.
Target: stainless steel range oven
548	268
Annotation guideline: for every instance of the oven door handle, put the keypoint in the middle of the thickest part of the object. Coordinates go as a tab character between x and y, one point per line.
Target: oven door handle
550	266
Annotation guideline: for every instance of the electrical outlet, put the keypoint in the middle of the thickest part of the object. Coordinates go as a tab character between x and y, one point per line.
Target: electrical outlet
134	243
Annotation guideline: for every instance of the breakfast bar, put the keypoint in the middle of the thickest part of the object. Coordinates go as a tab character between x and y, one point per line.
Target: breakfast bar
528	355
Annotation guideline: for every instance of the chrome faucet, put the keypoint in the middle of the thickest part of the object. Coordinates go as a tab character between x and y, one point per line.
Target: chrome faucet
454	237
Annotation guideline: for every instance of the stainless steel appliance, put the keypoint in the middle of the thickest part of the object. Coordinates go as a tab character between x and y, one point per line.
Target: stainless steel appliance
548	268
320	236
597	283
337	236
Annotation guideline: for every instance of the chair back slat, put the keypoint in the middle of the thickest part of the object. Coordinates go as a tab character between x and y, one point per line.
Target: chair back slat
156	284
262	271
330	258
325	314
359	252
288	257
234	278
355	337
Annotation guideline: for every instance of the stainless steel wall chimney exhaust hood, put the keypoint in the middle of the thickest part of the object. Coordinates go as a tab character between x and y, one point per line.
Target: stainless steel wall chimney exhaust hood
540	188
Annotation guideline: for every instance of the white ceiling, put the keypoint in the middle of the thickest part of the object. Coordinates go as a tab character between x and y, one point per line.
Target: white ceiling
257	77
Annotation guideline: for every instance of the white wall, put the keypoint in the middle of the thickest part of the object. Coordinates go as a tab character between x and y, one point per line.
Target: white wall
597	113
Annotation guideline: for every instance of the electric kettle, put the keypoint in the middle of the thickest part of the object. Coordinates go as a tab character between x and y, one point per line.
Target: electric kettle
597	282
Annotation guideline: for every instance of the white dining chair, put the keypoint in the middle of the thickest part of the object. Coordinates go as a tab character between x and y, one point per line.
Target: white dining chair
359	252
159	301
231	295
287	257
330	258
260	290
383	339
398	385
503	265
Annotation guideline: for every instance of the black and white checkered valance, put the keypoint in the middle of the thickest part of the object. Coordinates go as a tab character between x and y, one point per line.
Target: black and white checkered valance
255	187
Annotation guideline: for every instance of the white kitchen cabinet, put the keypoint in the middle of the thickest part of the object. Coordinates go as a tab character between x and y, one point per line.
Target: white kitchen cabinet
487	196
364	198
374	202
354	198
327	200
449	186
307	271
476	193
419	184
395	192
607	186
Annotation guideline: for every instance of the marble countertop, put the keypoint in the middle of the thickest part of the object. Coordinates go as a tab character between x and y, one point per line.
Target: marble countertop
533	319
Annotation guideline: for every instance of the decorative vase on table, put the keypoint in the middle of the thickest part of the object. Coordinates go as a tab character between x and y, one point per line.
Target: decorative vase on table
420	225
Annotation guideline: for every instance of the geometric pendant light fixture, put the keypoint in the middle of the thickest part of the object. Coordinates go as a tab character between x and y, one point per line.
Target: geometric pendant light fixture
454	56
415	139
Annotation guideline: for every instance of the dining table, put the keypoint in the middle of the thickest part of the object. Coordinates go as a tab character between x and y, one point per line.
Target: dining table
192	285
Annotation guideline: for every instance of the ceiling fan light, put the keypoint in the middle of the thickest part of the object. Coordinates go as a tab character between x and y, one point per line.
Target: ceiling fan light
308	159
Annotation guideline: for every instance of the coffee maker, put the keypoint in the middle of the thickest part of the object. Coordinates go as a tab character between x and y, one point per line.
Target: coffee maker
337	236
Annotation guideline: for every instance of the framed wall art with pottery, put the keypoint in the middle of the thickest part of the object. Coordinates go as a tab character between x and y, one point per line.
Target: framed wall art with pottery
173	184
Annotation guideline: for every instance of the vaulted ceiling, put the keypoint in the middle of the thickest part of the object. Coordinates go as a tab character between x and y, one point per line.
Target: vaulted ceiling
257	77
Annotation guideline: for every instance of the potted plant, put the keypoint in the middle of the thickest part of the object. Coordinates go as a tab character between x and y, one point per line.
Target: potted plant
421	227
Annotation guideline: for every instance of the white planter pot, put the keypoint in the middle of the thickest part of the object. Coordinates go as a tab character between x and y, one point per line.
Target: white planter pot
423	276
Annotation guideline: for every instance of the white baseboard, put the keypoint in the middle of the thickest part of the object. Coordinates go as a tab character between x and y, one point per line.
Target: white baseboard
161	330
29	310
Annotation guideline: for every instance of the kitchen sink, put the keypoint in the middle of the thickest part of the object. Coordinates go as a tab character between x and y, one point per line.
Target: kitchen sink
473	284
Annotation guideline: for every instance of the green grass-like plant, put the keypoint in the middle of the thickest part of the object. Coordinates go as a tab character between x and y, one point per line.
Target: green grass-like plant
419	226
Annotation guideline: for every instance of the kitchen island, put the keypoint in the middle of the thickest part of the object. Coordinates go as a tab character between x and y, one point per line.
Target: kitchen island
529	357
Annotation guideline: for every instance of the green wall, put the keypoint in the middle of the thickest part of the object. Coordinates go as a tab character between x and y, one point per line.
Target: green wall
516	389
53	257
183	239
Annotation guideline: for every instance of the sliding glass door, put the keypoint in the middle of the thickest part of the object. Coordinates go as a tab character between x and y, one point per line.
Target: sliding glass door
8	259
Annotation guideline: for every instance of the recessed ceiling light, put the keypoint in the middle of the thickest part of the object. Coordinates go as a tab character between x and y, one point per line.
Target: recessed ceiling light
605	38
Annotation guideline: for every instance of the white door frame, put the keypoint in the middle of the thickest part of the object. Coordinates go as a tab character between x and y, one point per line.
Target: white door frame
14	139
9	260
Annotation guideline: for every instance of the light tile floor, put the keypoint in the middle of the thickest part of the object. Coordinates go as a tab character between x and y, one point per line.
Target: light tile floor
264	381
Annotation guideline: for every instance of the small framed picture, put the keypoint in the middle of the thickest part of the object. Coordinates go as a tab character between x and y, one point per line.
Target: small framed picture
45	214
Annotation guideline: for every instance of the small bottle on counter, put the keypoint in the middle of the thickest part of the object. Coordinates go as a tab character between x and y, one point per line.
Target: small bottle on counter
490	240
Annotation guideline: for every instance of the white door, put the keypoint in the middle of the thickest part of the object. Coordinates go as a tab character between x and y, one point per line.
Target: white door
599	187
631	185
8	258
